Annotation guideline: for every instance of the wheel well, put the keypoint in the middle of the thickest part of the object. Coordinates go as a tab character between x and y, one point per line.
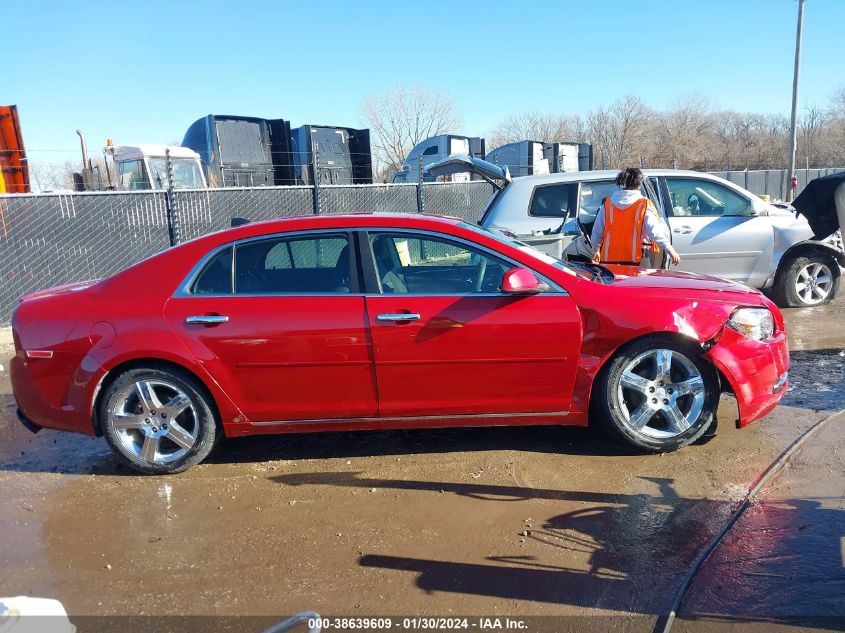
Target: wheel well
675	337
146	363
805	249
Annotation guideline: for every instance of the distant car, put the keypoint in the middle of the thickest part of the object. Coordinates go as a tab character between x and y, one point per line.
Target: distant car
717	227
329	323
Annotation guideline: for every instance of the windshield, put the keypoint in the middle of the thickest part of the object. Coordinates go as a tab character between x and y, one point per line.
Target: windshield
186	173
576	270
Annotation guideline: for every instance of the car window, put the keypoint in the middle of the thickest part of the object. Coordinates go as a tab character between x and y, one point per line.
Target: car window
553	201
409	264
430	151
216	277
591	197
699	197
297	264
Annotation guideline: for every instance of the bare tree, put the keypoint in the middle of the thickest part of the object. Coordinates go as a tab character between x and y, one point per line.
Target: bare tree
684	133
619	132
50	176
811	124
402	117
538	126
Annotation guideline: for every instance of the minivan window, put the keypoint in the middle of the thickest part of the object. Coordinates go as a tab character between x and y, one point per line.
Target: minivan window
591	198
553	201
699	197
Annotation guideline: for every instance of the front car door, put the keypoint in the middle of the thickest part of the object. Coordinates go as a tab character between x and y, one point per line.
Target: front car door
279	321
715	231
447	341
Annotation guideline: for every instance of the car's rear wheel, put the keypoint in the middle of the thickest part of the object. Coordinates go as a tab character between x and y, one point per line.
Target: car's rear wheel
657	395
809	280
158	420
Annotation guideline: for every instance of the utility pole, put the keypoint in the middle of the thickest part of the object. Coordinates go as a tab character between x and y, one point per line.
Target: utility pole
794	128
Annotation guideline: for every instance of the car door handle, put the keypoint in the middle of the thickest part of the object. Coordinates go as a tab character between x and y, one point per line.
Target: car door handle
682	229
206	319
400	316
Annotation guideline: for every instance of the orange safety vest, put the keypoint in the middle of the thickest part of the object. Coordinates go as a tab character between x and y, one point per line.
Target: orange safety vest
622	240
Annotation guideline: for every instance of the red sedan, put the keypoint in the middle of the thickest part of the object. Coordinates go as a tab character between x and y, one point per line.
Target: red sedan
381	322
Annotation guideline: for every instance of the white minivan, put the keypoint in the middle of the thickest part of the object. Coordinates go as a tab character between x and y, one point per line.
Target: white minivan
717	227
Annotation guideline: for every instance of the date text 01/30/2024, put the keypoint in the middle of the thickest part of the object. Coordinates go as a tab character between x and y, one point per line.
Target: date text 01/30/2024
418	623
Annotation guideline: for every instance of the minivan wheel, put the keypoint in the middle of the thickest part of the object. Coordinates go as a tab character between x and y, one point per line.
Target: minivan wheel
157	420
657	395
803	281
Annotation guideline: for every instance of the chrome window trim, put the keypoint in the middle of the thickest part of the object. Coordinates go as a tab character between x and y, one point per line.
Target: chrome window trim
183	290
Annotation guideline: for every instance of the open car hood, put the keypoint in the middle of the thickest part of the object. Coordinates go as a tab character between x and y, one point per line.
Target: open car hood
463	163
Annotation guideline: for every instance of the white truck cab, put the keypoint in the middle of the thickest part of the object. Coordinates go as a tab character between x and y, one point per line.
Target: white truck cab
138	167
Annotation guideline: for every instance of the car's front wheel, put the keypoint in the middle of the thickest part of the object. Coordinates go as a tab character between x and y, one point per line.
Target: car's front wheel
657	395
158	420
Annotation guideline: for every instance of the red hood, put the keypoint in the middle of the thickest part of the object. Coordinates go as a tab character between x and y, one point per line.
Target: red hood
633	277
59	290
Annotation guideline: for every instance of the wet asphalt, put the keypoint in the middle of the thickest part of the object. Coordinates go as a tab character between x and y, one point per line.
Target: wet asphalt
516	521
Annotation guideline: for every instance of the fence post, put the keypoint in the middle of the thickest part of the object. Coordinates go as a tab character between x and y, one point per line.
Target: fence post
314	177
420	193
170	203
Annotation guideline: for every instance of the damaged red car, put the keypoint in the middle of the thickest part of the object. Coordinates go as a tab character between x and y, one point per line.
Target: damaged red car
386	322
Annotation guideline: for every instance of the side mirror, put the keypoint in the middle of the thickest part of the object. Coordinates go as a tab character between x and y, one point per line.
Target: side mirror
521	281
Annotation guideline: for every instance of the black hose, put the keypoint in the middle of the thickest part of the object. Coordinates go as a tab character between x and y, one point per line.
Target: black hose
664	623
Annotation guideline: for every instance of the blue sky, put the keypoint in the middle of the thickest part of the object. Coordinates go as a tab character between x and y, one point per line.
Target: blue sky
143	71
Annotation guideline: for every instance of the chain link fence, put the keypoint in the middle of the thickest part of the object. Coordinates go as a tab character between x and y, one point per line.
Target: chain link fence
773	182
51	239
48	240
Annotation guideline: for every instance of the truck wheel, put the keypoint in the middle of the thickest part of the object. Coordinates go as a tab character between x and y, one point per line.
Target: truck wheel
803	281
657	395
158	420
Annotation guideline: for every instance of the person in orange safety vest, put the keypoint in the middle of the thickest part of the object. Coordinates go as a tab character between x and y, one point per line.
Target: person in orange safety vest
624	219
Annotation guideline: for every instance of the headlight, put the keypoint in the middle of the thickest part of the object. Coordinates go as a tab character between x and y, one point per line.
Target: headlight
756	323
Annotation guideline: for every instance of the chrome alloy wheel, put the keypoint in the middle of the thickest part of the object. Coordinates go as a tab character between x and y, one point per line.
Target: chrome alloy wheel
661	393
814	283
155	421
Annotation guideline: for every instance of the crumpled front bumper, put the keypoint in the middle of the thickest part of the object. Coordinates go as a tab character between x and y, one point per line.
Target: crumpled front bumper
756	370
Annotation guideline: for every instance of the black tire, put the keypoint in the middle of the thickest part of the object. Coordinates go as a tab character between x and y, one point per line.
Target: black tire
610	412
785	291
183	444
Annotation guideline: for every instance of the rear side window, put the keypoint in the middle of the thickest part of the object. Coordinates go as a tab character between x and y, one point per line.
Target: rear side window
297	264
553	201
216	277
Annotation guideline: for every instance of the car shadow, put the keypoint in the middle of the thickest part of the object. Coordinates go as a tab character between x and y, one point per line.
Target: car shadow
537	439
628	553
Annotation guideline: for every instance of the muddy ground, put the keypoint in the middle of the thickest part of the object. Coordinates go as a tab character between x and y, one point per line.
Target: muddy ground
527	522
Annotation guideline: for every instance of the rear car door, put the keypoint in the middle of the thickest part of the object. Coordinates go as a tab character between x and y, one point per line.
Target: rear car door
447	341
279	322
715	231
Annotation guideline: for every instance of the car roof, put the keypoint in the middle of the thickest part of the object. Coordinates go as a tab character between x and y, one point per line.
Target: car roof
598	174
332	221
